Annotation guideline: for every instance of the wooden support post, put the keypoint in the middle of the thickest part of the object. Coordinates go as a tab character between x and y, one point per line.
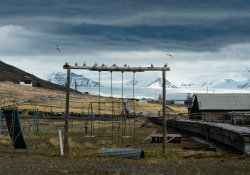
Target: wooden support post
243	120
164	145
82	111
66	127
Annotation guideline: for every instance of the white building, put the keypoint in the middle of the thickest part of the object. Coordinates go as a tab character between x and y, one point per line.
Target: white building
179	102
26	83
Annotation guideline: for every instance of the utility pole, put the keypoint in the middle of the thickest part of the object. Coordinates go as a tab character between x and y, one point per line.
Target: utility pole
66	127
164	111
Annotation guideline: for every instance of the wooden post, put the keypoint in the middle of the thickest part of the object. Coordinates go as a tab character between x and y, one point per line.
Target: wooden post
66	127
164	112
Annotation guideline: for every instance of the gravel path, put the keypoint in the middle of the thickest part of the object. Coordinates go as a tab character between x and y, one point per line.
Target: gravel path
21	163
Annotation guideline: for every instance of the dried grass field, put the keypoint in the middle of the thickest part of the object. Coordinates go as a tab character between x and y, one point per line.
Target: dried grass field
43	155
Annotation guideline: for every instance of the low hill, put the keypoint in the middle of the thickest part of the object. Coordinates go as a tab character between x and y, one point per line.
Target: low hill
15	75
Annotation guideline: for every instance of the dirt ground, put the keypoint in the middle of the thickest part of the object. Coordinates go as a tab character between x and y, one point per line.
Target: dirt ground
43	156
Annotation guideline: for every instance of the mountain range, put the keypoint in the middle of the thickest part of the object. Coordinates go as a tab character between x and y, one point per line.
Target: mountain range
15	75
227	84
60	78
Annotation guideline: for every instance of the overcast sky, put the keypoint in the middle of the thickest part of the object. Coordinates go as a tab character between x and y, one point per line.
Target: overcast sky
209	40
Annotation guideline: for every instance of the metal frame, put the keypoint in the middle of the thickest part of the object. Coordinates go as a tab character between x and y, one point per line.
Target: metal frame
119	69
92	117
35	122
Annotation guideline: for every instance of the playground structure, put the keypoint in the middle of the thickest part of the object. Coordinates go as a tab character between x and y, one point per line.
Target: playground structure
121	122
114	68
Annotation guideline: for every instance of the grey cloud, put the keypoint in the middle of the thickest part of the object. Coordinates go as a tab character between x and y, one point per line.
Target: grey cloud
88	26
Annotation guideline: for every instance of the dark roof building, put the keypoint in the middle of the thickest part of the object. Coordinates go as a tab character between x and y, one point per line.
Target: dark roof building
220	103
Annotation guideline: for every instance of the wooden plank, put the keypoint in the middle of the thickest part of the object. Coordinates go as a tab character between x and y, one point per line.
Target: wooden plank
167	135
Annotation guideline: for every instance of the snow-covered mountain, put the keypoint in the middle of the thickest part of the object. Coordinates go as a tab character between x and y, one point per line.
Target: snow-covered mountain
130	83
61	78
228	84
158	83
185	84
244	84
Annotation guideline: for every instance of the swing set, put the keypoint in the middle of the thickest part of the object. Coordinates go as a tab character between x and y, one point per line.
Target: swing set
111	69
101	129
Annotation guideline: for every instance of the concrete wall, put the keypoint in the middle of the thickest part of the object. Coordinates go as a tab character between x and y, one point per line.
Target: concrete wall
234	136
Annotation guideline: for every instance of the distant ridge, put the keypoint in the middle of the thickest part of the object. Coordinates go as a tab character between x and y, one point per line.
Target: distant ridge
15	75
61	78
158	82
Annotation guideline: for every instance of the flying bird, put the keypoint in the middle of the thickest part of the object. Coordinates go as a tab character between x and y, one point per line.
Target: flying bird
170	55
58	48
248	70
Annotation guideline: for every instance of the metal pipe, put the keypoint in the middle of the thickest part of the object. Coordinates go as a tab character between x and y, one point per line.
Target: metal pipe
60	142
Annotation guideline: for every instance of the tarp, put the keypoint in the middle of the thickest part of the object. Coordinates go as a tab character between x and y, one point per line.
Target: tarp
124	153
15	130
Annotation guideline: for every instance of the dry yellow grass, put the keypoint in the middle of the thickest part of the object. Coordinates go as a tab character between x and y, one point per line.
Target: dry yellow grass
78	102
5	140
88	145
54	142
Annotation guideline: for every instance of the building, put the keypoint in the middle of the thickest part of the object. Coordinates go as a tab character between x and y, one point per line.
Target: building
179	102
169	111
159	99
143	100
150	99
26	83
206	105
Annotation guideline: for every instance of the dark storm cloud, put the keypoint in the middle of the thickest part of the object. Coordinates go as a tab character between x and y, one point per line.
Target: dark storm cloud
87	26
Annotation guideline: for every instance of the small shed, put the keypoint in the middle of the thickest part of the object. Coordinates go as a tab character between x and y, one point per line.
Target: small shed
143	100
169	111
